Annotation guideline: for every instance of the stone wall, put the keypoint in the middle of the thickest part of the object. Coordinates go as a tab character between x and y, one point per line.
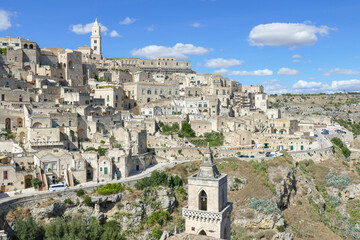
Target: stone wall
317	155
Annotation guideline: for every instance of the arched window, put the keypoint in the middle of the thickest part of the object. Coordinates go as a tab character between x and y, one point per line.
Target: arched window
202	232
25	45
203	201
31	46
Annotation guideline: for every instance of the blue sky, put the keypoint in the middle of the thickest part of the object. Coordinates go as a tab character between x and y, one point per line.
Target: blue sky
288	46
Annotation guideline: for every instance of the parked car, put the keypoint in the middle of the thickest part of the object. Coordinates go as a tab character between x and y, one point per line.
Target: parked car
243	156
316	135
325	132
340	131
252	156
57	187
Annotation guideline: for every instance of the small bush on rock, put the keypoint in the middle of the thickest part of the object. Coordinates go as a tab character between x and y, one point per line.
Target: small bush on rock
265	206
337	181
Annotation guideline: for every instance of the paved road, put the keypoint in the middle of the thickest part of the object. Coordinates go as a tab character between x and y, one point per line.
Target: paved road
29	192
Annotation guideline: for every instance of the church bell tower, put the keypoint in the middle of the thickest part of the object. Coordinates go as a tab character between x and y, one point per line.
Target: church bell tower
96	38
208	211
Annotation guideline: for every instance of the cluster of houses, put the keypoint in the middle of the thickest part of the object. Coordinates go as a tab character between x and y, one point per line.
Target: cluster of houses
76	116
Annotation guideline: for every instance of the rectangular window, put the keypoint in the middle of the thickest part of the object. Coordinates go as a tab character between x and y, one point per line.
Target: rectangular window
2	97
108	98
5	175
105	170
176	92
54	166
169	92
155	91
117	97
101	169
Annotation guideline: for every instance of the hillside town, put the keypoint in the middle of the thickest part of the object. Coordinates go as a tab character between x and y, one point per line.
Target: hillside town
77	118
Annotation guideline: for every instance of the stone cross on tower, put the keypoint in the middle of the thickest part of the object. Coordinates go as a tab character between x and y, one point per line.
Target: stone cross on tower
208	211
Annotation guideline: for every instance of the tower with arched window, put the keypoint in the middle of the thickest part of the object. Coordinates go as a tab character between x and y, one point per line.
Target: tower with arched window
96	38
208	211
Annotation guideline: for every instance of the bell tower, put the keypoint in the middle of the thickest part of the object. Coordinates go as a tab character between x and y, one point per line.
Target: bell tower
96	38
208	211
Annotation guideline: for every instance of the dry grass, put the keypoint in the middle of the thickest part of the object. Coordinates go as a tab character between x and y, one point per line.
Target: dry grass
47	202
254	187
132	196
18	213
304	223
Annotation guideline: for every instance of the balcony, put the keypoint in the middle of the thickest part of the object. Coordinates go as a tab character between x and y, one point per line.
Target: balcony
206	216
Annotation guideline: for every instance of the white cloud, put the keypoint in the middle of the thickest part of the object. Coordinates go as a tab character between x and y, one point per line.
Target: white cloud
295	60
348	85
273	87
222	63
286	34
150	29
340	71
335	86
85	29
127	21
264	72
287	71
4	20
296	56
114	33
301	86
306	84
179	50
196	24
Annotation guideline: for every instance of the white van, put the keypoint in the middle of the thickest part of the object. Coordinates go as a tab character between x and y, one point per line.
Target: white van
57	187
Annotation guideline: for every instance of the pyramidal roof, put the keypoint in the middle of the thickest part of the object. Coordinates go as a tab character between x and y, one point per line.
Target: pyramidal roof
208	167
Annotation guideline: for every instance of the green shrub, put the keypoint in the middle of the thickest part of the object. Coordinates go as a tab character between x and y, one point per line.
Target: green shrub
214	139
345	151
265	206
156	233
35	182
27	229
281	228
109	189
186	130
68	201
337	181
87	200
160	217
159	178
80	192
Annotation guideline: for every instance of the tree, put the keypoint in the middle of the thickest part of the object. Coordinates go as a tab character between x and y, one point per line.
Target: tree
186	130
112	231
35	182
27	229
156	233
95	229
175	126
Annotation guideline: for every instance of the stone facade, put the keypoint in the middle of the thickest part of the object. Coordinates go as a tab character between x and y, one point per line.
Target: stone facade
208	211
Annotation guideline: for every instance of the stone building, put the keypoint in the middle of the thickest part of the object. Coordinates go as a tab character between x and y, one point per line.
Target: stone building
96	39
208	211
